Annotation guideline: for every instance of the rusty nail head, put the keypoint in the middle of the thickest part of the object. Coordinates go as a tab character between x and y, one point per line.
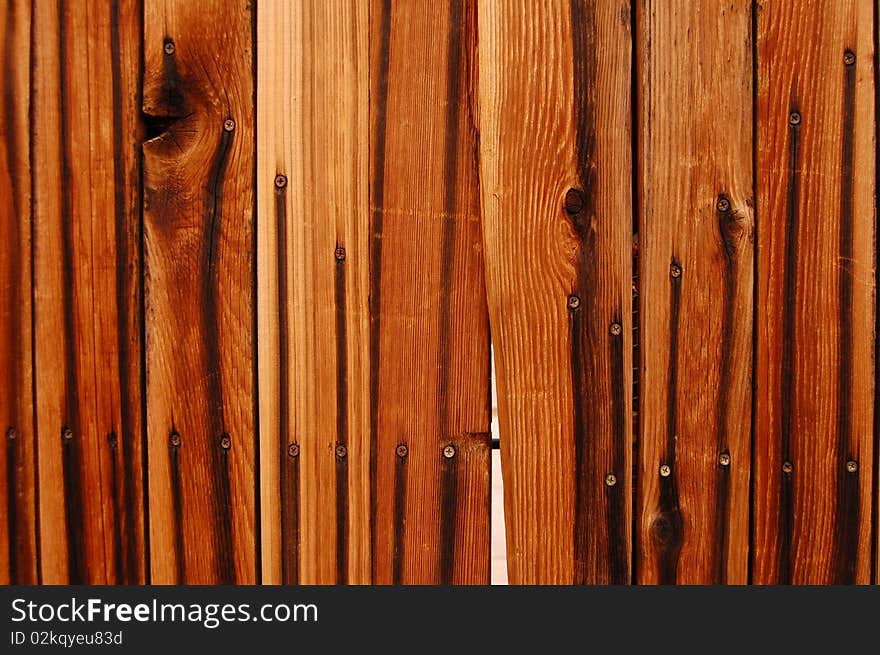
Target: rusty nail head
280	181
339	253
849	57
573	302
67	434
616	329
341	451
11	434
574	202
724	459
610	479
449	451
794	118
675	271
292	449
852	466
402	450
169	47
225	442
175	439
665	470
723	204
229	125
787	467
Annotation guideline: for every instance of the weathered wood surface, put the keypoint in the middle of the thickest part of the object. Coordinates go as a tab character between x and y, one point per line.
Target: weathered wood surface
86	266
557	220
696	245
18	547
199	269
429	333
816	264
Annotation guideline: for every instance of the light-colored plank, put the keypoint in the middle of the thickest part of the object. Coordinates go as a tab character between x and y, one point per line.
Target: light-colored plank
696	246
313	281
429	341
18	548
199	267
816	258
557	221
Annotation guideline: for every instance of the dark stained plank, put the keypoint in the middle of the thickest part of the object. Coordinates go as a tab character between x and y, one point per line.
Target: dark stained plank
557	219
199	269
696	245
815	364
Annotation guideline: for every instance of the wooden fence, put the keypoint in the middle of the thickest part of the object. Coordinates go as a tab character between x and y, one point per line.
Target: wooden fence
251	253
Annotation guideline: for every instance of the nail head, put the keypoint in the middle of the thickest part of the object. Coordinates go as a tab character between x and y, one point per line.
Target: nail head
11	434
339	253
724	459
616	329
225	442
67	434
402	450
794	118
449	451
229	125
665	470
280	181
849	57
174	439
610	479
675	271
723	204
341	451
787	467
292	449
852	466
169	47
573	302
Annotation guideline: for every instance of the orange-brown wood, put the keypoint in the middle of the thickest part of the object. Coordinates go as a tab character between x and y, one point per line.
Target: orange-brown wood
85	62
429	340
816	322
199	272
18	548
696	246
557	218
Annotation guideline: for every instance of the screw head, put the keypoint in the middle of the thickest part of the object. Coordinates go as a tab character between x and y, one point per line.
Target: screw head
225	442
280	181
229	125
794	118
849	57
169	47
67	434
293	450
573	302
675	271
616	329
723	204
449	451
401	450
787	467
610	479
665	470
724	459
174	439
574	202
852	466
339	253
341	451
11	434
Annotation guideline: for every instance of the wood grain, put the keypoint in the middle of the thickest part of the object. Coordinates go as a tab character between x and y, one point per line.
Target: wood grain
86	291
313	300
557	221
429	339
18	547
816	258
696	246
199	268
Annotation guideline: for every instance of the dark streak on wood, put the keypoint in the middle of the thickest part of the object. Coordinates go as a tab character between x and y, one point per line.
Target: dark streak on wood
71	462
12	485
454	58
789	344
127	572
341	427
177	503
584	319
118	562
288	466
223	508
399	520
615	509
448	514
668	528
847	515
377	193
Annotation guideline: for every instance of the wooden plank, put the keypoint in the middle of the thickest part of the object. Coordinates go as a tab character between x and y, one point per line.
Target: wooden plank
18	548
429	341
815	365
313	281
199	290
86	292
557	221
696	252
